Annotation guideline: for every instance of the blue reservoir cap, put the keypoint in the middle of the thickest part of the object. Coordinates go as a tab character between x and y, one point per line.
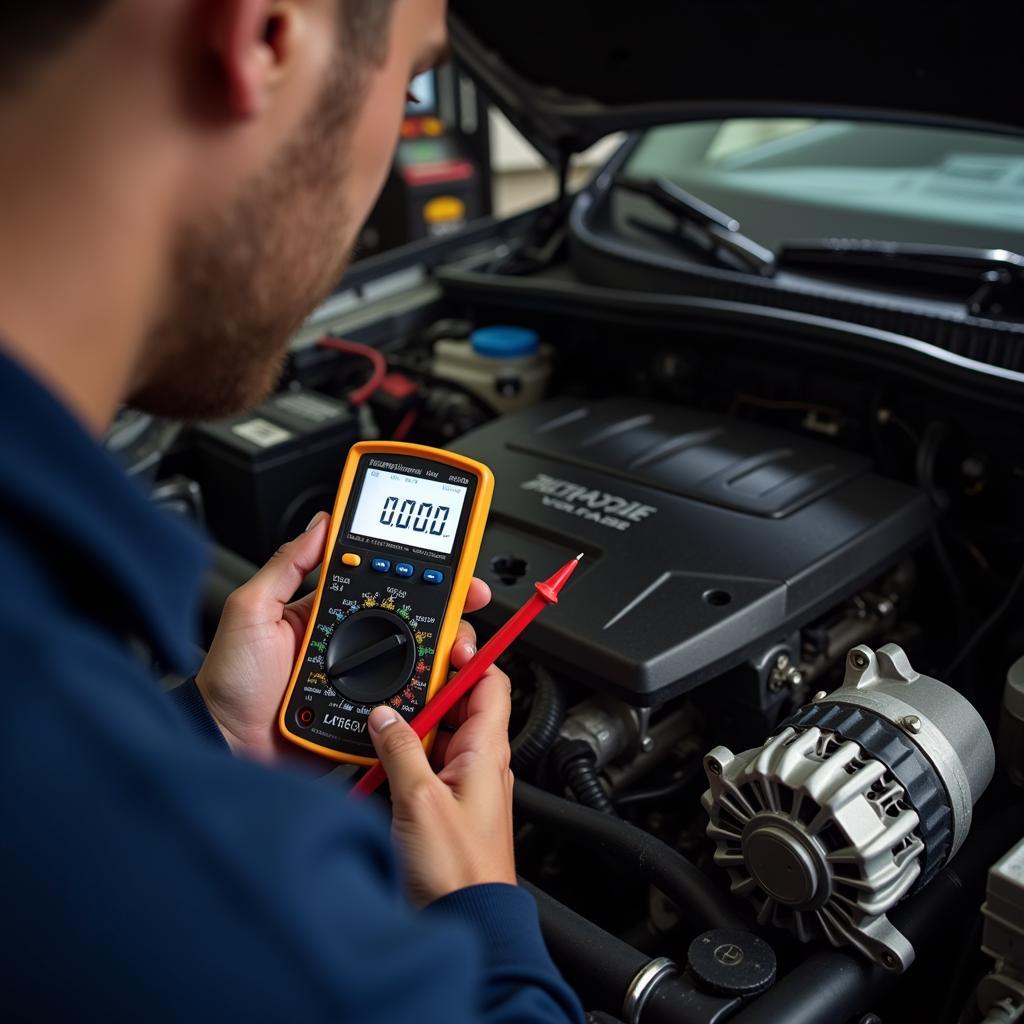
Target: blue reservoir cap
504	341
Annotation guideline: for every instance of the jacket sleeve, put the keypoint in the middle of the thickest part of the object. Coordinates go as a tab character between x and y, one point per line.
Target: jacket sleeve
516	980
190	703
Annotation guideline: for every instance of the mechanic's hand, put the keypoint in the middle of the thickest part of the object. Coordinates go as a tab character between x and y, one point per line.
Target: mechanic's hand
453	829
244	676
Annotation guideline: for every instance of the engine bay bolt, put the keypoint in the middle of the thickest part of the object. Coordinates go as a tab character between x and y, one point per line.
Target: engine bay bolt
911	723
715	767
889	960
820	695
784	673
858	659
884	608
647	744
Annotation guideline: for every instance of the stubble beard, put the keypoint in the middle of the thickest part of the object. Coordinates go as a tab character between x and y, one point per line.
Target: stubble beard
246	279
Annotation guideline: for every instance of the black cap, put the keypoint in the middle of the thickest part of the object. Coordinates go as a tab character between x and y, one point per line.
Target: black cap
731	962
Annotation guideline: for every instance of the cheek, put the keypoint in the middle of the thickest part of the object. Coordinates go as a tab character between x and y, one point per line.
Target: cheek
373	143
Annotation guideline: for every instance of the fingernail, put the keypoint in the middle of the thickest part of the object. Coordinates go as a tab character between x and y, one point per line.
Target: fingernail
381	718
316	519
470	649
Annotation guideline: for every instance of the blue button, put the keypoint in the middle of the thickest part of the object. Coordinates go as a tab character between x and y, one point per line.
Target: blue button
404	569
433	576
380	565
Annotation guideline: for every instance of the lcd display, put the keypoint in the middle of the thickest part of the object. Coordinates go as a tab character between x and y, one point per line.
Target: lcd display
409	510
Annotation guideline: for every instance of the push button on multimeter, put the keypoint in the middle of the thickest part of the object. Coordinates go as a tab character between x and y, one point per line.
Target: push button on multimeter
351	558
433	576
404	569
380	565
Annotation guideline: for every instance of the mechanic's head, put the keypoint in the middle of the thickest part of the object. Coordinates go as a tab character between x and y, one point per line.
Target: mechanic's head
265	132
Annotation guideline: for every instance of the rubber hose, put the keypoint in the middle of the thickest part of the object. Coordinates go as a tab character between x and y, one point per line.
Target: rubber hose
697	899
599	966
576	765
547	713
601	969
581	777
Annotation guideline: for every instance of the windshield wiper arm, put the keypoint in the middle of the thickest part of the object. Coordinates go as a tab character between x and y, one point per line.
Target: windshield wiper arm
720	232
995	276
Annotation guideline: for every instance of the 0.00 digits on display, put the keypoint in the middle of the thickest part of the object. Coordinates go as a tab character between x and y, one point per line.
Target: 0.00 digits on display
428	518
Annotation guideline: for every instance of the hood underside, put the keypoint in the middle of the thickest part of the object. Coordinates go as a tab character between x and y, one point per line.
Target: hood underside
569	72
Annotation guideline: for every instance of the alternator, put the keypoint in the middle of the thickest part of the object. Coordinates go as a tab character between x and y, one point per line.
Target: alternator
858	800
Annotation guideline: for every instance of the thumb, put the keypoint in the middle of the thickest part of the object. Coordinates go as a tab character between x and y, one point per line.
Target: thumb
400	751
291	563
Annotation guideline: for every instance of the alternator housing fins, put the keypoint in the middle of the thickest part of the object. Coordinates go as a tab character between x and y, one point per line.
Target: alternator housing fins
855	802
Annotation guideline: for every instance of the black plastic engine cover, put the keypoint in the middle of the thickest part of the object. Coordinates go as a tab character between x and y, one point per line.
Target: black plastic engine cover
703	536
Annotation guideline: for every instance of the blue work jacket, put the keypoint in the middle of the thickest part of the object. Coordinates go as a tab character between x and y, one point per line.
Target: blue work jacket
147	874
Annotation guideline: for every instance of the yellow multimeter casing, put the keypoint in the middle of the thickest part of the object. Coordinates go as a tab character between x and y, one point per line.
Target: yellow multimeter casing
401	550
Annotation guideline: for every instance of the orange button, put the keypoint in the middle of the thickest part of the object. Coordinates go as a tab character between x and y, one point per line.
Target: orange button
350	558
432	126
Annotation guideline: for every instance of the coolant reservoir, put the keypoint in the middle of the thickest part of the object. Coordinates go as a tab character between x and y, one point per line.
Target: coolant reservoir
507	366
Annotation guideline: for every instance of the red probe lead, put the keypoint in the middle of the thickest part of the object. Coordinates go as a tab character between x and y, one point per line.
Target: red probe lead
470	674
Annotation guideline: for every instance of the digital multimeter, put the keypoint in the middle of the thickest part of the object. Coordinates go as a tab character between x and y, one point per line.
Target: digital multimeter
400	555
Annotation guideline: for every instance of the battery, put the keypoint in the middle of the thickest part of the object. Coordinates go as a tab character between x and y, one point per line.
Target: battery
264	474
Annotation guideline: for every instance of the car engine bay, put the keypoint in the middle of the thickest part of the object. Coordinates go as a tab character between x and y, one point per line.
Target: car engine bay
766	749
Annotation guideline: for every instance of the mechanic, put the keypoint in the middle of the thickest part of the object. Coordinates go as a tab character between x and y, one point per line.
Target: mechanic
179	183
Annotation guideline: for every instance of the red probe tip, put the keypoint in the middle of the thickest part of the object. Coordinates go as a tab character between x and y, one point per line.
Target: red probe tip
550	587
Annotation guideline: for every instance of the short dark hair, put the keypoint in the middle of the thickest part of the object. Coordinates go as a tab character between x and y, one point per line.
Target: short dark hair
35	30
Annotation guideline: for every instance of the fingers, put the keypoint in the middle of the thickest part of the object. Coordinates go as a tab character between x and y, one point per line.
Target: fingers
400	753
458	716
303	606
479	596
446	731
465	645
483	731
297	614
439	751
490	703
278	580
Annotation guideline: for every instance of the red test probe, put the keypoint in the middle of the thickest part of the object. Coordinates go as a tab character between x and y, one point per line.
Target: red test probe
470	674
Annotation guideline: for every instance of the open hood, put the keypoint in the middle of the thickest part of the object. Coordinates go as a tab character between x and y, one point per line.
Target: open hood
567	72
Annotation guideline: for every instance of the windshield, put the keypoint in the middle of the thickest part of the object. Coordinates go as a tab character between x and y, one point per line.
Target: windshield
789	180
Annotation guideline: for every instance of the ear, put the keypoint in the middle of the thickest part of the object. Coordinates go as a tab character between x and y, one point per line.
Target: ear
254	41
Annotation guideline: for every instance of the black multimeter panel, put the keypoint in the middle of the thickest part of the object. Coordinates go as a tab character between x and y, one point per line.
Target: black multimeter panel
388	583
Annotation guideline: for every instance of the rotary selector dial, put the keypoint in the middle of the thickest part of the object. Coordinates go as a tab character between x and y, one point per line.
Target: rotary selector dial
370	656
